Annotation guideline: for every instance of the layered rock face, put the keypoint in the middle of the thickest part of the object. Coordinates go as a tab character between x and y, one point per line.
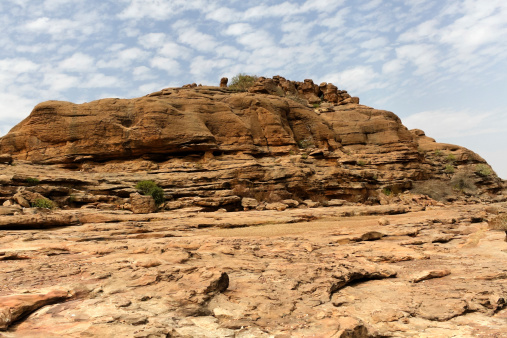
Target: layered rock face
216	144
82	253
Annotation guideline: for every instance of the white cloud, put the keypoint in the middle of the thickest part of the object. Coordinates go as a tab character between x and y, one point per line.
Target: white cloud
149	88
61	29
175	51
152	40
256	40
143	73
14	107
157	9
338	20
262	11
56	4
124	58
58	82
99	80
321	5
374	43
423	56
356	80
201	67
238	29
17	66
78	62
169	65
223	14
427	30
444	124
197	40
371	5
393	67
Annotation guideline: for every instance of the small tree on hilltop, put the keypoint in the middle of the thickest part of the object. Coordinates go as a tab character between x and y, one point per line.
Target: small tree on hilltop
242	82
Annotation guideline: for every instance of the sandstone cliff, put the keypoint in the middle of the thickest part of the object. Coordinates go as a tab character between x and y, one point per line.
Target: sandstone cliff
281	140
102	264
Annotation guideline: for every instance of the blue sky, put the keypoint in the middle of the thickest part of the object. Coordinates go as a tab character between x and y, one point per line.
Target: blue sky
439	65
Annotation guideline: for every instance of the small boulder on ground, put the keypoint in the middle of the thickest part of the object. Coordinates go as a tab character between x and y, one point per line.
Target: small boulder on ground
142	204
425	275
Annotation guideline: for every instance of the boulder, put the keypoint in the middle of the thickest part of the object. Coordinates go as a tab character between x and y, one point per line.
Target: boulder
223	82
249	203
5	159
142	204
26	198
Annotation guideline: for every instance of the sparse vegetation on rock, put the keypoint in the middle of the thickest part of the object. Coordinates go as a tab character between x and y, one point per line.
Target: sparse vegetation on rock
150	188
32	181
483	170
242	82
43	203
499	223
231	164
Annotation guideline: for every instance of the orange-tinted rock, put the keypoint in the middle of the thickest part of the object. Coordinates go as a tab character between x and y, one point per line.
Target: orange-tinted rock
270	136
223	82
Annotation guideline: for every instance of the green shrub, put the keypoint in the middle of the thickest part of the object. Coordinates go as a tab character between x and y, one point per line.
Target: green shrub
32	181
361	163
449	169
150	188
304	156
43	203
483	170
451	158
242	82
438	152
316	105
387	191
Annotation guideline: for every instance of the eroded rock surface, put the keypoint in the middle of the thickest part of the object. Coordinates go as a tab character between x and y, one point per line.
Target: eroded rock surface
298	272
282	140
290	211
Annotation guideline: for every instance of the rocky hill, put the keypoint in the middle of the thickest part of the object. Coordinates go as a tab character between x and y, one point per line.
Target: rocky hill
212	146
288	210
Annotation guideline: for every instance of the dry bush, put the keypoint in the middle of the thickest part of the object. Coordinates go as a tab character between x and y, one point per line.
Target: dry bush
242	82
464	182
296	98
436	189
499	223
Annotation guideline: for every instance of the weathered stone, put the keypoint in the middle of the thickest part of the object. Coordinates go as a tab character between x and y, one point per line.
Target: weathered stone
223	82
142	204
276	206
5	159
26	198
425	275
14	307
249	203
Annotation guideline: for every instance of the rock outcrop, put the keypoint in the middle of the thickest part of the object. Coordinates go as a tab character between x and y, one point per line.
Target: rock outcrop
211	147
298	273
287	210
